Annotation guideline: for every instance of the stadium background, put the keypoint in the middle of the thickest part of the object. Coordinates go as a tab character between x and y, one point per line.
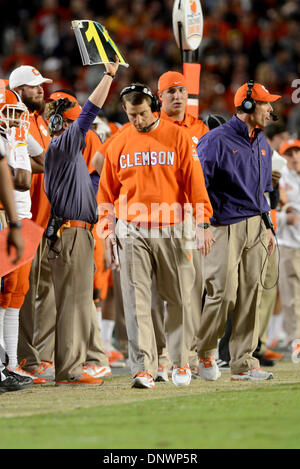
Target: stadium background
241	39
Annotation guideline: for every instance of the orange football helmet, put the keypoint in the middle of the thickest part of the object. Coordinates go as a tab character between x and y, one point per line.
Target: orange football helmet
13	112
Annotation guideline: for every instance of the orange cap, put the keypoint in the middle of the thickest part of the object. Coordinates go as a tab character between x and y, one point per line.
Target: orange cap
169	79
258	93
73	113
290	143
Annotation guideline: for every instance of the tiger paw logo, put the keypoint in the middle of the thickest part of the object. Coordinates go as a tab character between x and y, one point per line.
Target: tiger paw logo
193	6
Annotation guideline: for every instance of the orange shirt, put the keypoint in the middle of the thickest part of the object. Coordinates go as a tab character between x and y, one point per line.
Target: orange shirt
40	206
114	127
105	145
93	144
150	169
195	127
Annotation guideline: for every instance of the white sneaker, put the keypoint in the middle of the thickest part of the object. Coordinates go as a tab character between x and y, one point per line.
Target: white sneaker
46	370
36	380
97	371
195	370
162	374
181	376
255	374
208	369
143	380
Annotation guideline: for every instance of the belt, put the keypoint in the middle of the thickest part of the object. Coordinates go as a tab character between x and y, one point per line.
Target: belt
76	224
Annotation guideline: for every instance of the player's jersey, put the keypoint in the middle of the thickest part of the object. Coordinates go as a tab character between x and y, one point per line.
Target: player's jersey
150	169
195	127
22	198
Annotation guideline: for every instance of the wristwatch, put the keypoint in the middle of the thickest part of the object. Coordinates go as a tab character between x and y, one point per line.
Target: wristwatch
110	74
203	225
15	224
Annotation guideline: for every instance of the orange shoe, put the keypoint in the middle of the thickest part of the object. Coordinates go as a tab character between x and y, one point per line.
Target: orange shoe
143	380
46	371
84	378
162	374
19	370
97	371
114	355
270	355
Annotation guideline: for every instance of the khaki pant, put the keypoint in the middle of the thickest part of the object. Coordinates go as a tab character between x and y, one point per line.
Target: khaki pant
232	273
143	256
159	310
289	290
120	326
77	334
38	313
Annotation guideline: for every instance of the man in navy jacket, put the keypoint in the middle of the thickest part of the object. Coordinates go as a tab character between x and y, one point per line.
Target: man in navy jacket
236	160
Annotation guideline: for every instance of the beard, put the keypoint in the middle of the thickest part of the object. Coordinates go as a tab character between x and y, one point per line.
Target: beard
33	105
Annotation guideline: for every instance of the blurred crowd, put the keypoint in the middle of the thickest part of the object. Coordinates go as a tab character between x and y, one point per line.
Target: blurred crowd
241	39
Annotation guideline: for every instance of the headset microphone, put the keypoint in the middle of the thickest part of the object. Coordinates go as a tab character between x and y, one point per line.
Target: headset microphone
274	116
148	127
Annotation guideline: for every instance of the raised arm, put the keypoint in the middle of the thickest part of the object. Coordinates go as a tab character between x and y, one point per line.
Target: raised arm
100	93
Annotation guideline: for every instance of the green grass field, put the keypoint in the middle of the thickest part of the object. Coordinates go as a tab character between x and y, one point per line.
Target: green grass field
204	415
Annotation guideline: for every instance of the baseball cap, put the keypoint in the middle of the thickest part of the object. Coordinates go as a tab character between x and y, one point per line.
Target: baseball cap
169	79
73	113
259	93
290	143
26	75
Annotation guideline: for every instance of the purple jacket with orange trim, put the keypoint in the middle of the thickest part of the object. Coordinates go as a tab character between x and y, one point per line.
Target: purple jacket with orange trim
237	171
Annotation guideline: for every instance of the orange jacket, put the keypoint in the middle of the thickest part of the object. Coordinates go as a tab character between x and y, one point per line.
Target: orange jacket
40	206
104	146
157	167
195	127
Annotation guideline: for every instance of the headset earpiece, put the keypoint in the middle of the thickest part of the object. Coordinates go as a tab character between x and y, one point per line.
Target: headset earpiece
57	120
155	104
249	104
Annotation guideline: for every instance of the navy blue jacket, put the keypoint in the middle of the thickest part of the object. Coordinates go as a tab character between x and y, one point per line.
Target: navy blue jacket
68	185
237	171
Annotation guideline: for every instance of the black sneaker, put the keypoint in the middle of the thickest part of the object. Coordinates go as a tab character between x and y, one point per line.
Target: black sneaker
14	382
222	365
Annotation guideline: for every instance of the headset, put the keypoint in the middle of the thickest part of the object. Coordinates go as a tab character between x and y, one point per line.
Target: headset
249	104
155	104
56	121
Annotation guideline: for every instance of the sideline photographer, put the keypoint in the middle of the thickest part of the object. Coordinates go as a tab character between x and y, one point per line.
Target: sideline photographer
79	355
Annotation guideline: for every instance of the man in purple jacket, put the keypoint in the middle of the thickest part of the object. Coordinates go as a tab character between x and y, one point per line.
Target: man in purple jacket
236	160
71	193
